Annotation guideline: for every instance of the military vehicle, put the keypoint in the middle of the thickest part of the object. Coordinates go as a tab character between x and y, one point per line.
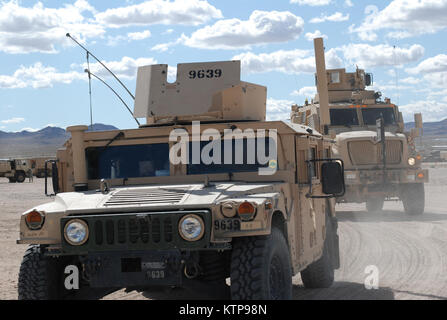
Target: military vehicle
345	110
38	165
15	169
127	214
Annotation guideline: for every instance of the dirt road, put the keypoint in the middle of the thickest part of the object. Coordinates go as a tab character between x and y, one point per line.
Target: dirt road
408	254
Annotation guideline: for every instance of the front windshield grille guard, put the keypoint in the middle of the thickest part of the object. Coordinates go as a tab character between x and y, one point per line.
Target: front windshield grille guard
309	178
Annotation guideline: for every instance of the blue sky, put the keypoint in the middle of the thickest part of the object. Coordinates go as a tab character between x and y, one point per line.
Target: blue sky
402	42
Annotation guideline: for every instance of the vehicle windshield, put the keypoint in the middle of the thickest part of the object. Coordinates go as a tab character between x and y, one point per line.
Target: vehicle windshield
241	155
134	161
370	115
344	117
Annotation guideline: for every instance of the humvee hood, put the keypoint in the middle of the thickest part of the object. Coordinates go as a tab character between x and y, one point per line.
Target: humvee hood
366	135
165	197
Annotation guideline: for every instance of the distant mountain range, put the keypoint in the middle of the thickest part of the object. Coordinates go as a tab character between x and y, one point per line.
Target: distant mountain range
44	142
431	128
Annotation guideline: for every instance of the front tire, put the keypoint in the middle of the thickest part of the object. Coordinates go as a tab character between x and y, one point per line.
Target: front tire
413	198
37	276
261	268
20	177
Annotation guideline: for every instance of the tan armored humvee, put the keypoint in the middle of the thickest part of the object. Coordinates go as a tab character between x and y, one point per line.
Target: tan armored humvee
128	214
15	169
344	109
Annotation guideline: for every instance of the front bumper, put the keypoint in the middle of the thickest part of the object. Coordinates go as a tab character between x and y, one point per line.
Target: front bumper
393	176
134	269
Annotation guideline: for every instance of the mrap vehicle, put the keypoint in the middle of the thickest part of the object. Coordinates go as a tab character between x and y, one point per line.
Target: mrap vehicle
132	210
345	110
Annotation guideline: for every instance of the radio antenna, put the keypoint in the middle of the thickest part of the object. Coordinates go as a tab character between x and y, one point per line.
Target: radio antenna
119	97
105	67
395	73
90	92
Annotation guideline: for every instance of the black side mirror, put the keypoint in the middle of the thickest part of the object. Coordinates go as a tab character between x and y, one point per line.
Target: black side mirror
333	179
368	79
54	177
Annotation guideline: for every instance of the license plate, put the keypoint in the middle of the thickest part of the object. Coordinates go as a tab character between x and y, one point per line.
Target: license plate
155	274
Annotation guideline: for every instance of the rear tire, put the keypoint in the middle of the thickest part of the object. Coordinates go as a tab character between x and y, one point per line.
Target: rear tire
320	274
261	268
413	198
374	204
20	177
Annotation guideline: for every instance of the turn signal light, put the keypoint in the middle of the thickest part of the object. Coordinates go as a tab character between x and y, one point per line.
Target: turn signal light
246	211
34	220
420	175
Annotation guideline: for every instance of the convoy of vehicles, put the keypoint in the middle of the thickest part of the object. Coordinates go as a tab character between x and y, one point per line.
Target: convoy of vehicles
190	197
346	111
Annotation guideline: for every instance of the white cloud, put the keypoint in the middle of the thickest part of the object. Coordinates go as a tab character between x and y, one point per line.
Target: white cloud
131	36
312	3
349	3
191	12
410	80
126	68
28	129
290	62
139	35
39	29
308	92
278	109
262	27
37	76
434	64
406	18
13	120
432	110
367	56
310	36
336	17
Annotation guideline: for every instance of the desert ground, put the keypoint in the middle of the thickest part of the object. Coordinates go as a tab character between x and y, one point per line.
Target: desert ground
409	253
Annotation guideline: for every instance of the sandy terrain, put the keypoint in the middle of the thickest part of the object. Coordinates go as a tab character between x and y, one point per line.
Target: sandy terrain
410	253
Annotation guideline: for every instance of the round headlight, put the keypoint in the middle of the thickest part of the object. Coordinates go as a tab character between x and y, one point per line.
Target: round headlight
411	161
76	232
191	227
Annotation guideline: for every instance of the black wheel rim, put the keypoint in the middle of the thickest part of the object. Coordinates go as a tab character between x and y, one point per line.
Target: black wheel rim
276	278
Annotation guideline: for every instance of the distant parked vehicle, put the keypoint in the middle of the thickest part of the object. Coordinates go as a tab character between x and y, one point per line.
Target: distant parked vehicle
15	169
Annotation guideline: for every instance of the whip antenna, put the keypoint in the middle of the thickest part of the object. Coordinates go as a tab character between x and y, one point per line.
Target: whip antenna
105	83
89	53
90	93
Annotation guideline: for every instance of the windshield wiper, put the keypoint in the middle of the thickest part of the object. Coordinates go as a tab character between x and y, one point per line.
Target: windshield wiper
118	136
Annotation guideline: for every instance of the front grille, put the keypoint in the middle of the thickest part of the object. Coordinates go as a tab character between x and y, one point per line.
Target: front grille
136	231
133	230
368	153
145	196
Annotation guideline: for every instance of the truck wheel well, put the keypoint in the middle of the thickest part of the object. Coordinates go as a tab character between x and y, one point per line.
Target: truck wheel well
279	222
